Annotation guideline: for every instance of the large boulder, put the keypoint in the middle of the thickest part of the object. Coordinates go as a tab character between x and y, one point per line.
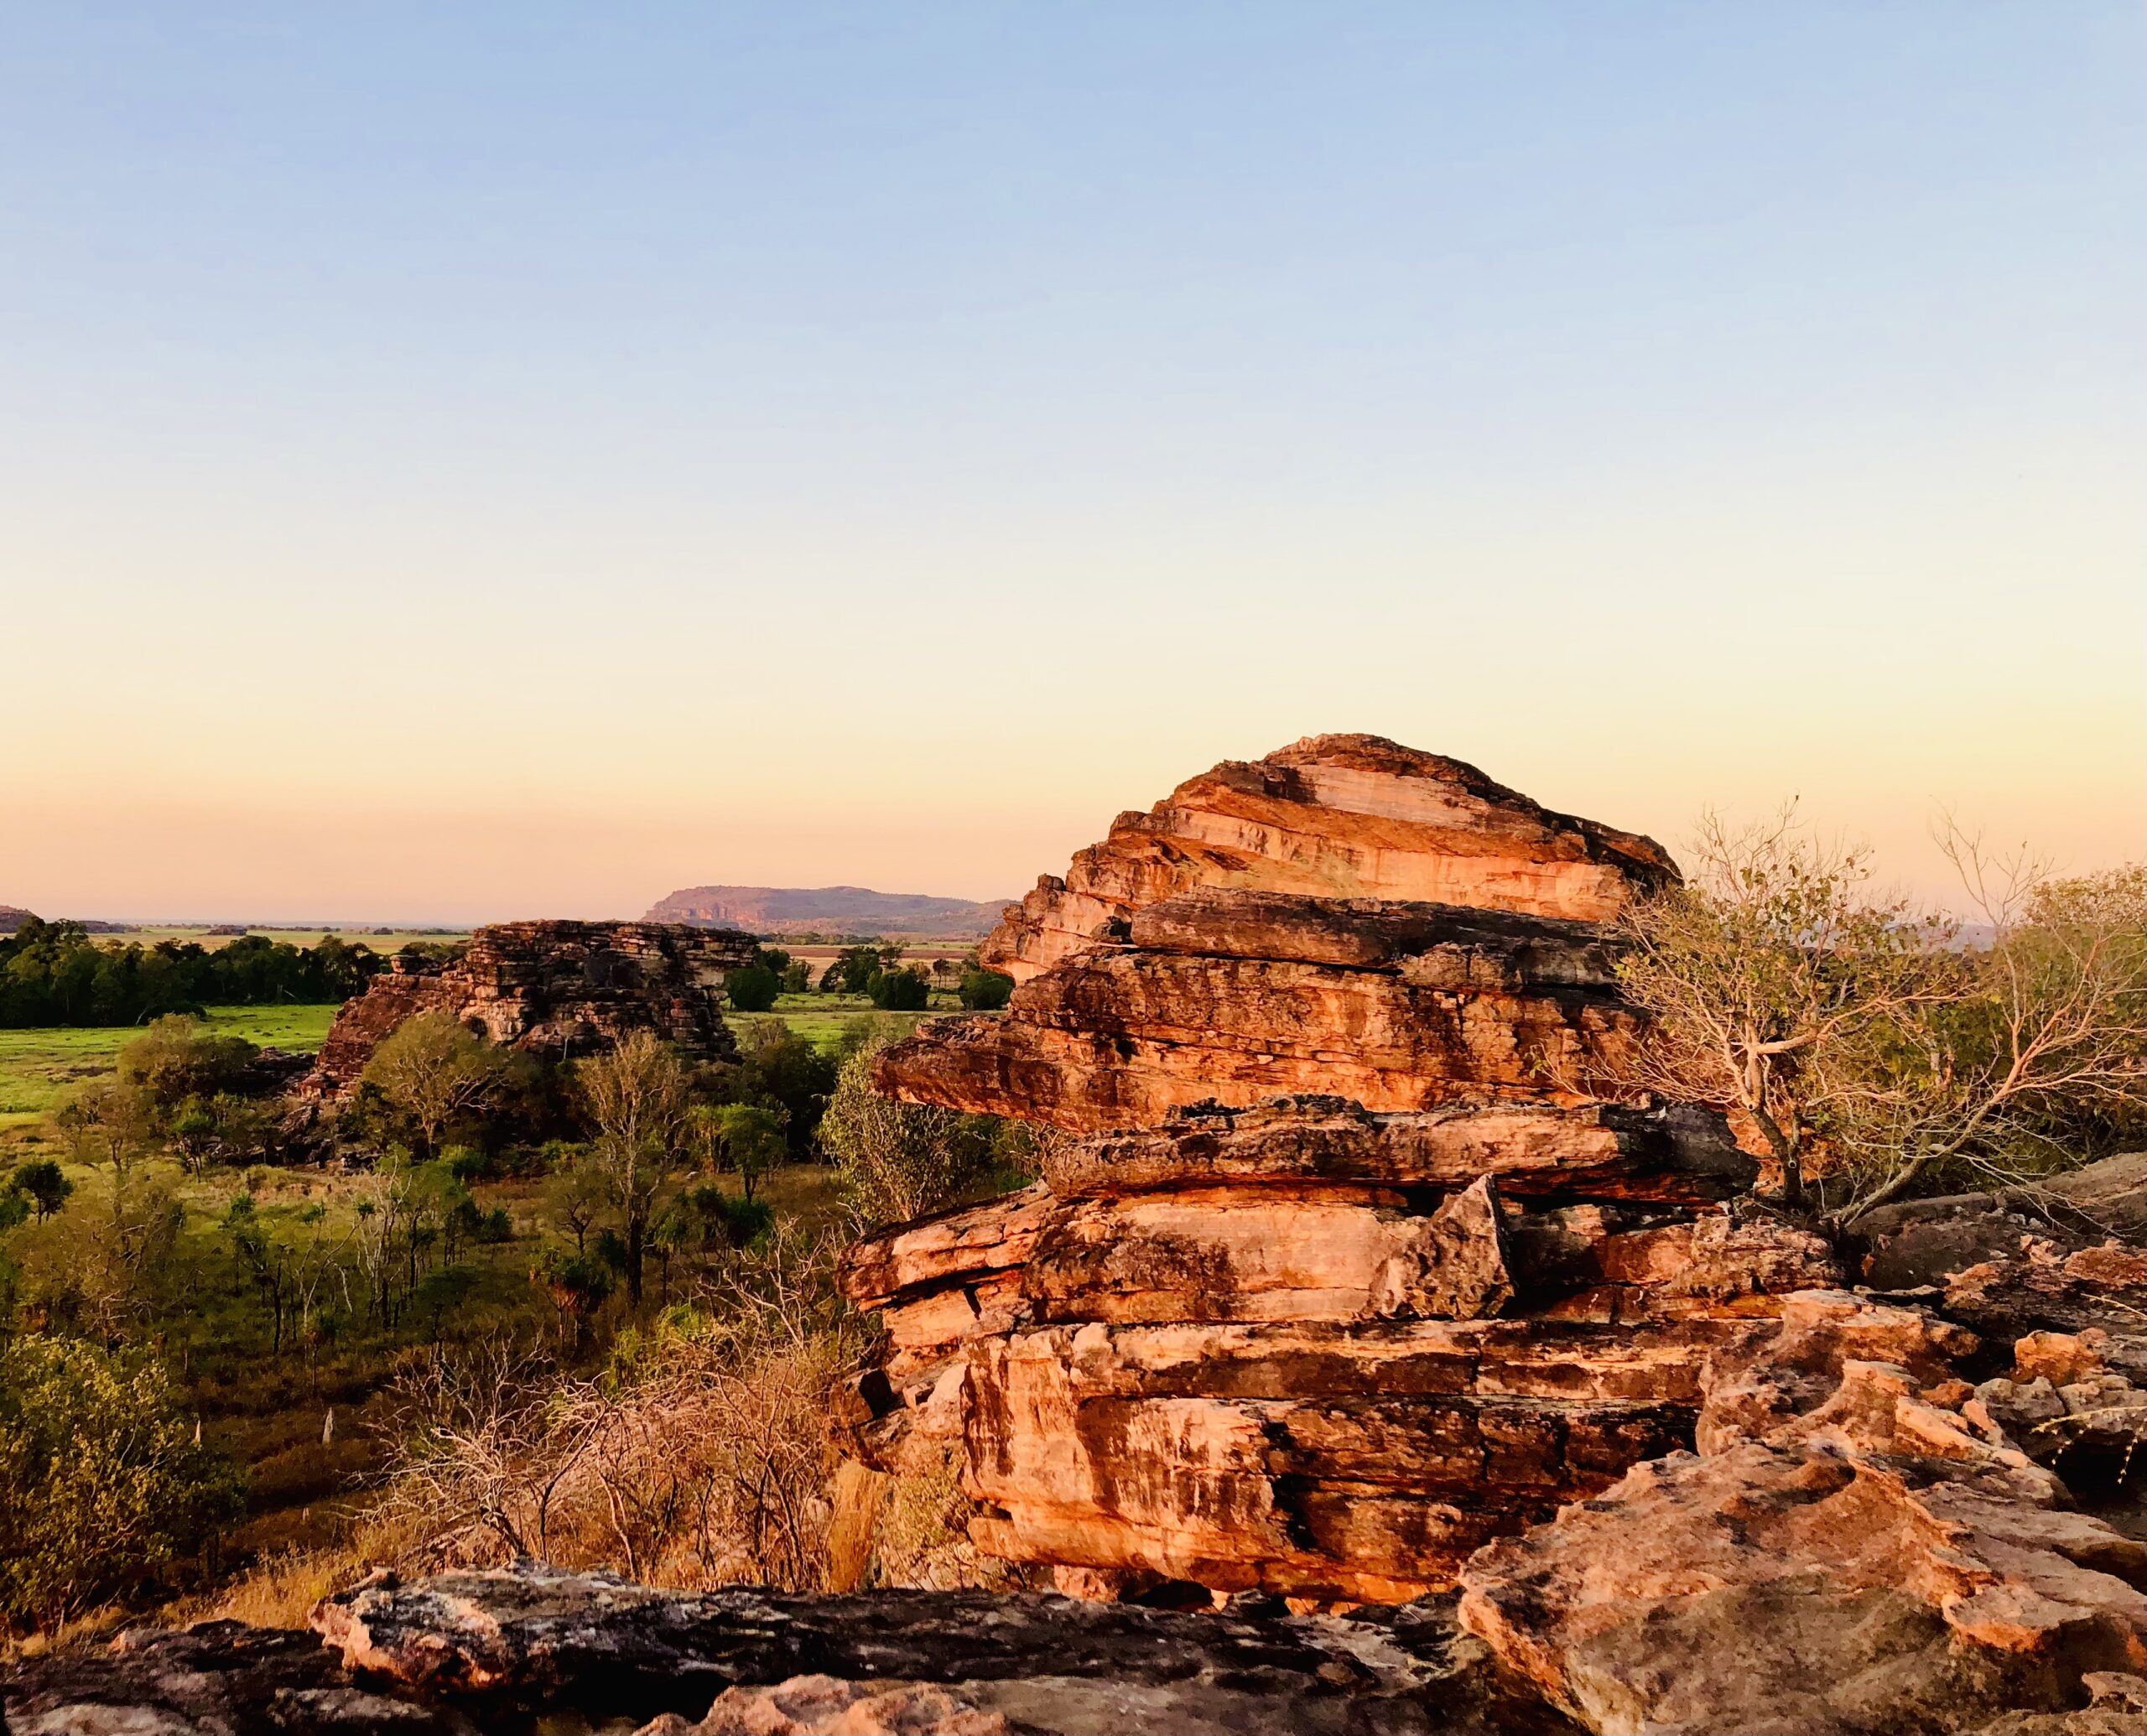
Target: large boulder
1857	1547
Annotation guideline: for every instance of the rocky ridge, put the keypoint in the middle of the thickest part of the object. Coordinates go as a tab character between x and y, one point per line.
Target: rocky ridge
556	988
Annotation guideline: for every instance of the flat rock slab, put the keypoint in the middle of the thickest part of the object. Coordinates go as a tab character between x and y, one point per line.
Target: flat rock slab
218	1678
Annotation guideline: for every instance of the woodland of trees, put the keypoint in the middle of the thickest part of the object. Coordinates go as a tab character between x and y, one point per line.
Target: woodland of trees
56	974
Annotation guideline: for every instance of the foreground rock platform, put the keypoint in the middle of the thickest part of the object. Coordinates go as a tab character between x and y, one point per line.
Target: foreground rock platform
512	1650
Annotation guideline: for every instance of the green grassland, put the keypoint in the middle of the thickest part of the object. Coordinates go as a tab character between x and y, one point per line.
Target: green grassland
822	1019
40	1067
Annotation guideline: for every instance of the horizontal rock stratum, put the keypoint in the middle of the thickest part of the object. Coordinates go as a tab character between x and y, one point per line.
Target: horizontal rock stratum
1335	817
1346	917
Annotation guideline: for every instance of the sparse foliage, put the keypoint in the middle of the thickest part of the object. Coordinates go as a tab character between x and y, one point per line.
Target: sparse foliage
2023	1054
435	1071
896	1160
103	1489
638	1100
1773	955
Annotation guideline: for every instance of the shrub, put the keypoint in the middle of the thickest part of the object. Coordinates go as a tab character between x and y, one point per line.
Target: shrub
103	1489
908	989
985	991
897	1160
753	990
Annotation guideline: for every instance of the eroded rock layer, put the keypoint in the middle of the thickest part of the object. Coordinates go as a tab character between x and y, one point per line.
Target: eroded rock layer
557	988
1335	817
1240	996
1311	1350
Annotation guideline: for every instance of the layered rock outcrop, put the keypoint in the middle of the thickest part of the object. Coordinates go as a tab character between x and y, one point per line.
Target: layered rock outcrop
1334	817
1348	1290
1308	1349
555	988
1345	917
1346	1278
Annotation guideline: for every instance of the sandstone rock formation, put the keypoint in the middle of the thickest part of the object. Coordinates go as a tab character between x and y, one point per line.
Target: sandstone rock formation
1263	1349
1242	996
555	988
1346	917
1334	817
1350	1292
1857	1547
1347	1278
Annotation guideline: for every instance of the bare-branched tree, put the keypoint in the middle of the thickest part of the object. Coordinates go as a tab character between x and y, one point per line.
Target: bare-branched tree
2026	1052
1772	954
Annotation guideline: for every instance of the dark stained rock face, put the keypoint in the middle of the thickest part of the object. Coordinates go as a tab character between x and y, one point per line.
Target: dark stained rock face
515	1651
1488	1007
559	989
1310	1350
219	1678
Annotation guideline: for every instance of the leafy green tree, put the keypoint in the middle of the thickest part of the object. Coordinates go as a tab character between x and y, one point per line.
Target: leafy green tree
852	969
897	1160
638	1100
753	988
113	1122
576	1193
796	977
270	1264
908	989
436	1072
175	1061
578	1284
43	1183
103	1489
745	1137
783	1071
985	991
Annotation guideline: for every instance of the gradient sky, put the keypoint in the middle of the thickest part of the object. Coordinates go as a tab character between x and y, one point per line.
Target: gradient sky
463	462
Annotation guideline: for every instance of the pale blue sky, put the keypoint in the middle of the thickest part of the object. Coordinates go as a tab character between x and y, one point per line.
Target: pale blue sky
472	461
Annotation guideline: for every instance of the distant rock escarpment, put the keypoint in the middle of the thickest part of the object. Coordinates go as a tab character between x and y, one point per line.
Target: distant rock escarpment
554	988
843	910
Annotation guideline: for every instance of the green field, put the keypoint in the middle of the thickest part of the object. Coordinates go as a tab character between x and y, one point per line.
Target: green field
822	1019
38	1068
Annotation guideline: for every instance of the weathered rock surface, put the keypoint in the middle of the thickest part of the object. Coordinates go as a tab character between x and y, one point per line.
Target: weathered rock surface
1594	1152
1346	1463
1345	917
561	988
215	1679
515	1651
1120	1037
1336	817
1857	1548
1310	1350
